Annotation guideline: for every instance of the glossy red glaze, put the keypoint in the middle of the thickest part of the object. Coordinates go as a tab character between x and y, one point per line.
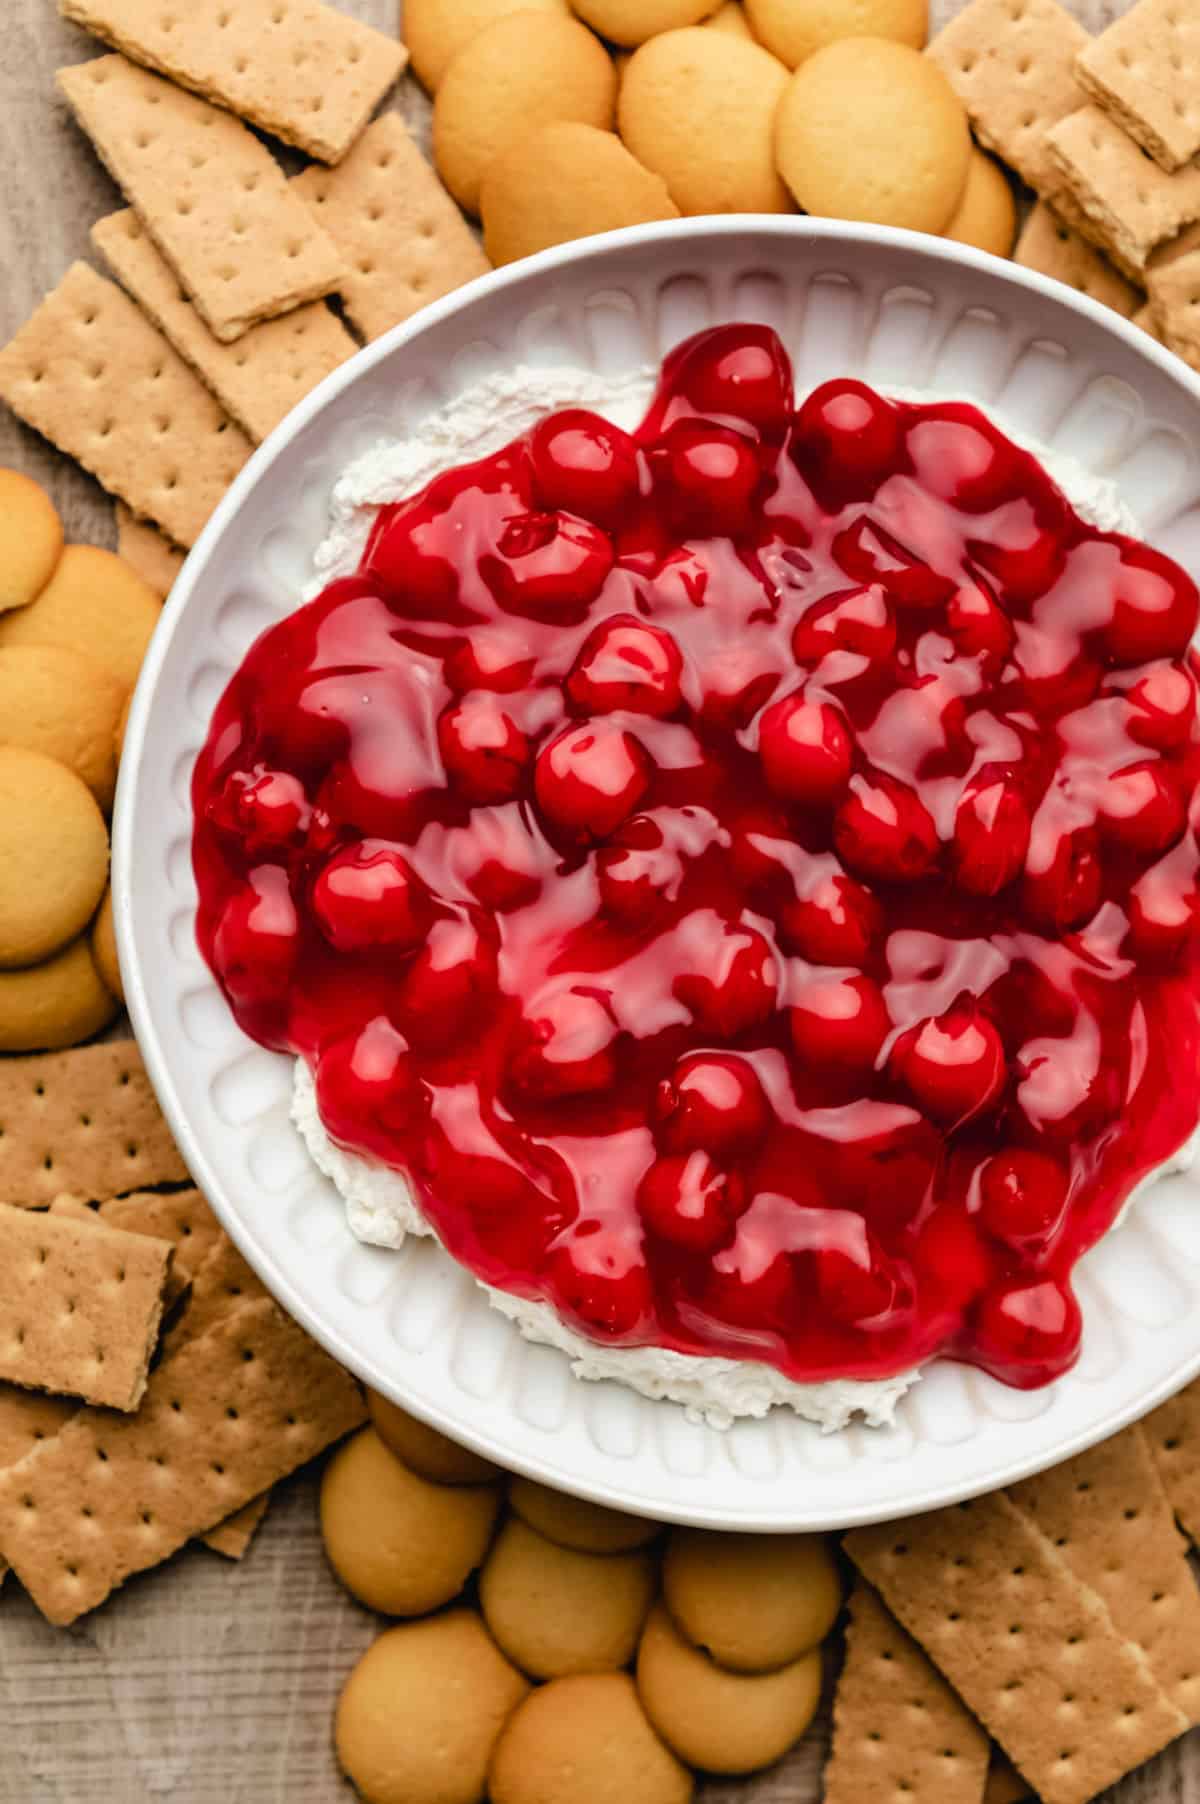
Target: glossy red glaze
739	870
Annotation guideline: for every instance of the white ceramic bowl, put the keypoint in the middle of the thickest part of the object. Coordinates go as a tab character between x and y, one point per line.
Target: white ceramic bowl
889	306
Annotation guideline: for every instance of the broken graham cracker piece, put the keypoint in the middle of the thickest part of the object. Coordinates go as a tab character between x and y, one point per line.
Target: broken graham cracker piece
1109	1517
148	551
1012	63
224	1417
1049	245
84	1122
90	373
232	1538
211	196
404	240
1004	1783
1131	204
220	1284
259	379
1173	282
1029	1648
1142	71
897	1725
180	1216
295	68
1173	1431
80	1305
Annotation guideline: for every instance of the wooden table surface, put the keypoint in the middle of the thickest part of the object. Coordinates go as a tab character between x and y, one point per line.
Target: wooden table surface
204	1682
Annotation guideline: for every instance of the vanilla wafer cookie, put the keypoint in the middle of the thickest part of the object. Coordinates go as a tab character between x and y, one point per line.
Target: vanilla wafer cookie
211	196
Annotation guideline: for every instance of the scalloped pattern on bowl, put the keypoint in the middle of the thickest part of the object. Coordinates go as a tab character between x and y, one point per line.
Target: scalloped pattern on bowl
899	310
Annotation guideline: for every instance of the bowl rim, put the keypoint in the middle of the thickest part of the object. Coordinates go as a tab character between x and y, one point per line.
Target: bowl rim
647	239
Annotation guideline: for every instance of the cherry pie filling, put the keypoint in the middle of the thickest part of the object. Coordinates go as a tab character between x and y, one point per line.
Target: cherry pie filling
743	872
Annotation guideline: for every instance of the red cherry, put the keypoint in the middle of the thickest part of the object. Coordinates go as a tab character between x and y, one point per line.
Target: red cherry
262	808
858	1283
736	983
959	455
1162	706
1141	808
449	984
599	1282
991	833
857	620
883	830
1025	545
806	750
583	465
368	1094
741	373
300	723
713	473
484	751
847	435
591	778
255	947
711	1101
739	680
548	566
1164	906
514	1217
953	1064
1062	882
411	554
951	1257
1027	1330
839	1022
762	846
638	872
837	922
369	895
978	625
565	1045
1056	679
494	657
1022	1195
688	1201
870	554
626	664
1155	606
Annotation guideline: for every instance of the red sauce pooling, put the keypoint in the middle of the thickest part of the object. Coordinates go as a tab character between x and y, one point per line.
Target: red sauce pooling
742	871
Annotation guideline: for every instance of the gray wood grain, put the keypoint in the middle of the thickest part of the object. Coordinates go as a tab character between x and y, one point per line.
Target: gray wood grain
203	1682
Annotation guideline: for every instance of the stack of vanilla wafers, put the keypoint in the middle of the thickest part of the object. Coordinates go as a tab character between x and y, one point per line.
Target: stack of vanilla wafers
150	1390
1106	132
213	317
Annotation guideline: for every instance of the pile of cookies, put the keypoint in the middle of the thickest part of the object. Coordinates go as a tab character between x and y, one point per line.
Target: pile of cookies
522	1687
74	625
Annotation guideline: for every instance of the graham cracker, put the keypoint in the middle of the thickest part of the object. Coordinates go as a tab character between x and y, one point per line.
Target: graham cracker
84	1122
1012	64
1142	71
1049	245
404	240
27	1418
224	1417
80	1306
148	551
232	1538
1173	1431
211	196
1108	1515
897	1725
1145	321
1173	284
220	1284
1004	1783
90	373
1131	204
296	68
1029	1648
180	1216
259	379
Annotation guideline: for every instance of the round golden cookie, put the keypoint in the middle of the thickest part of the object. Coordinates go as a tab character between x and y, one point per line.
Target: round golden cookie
104	948
585	1740
987	214
522	72
632	22
53	856
122	724
95	604
754	1602
731	17
722	1722
556	1611
793	29
55	1004
31	539
436	30
573	1522
400	1544
419	1716
64	704
562	182
872	130
698	107
424	1450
